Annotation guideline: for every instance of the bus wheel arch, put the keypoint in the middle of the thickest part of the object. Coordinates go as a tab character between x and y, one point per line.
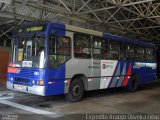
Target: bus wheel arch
76	88
133	82
81	77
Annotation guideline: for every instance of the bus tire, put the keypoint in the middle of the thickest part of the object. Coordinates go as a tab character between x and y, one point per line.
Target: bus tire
133	84
76	90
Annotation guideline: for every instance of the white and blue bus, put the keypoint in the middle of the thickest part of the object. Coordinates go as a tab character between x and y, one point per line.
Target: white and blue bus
51	59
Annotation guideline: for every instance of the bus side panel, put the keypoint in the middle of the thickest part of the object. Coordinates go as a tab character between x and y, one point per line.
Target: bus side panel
121	75
123	72
145	71
104	73
116	73
110	69
128	73
56	77
56	80
94	82
139	69
150	73
81	66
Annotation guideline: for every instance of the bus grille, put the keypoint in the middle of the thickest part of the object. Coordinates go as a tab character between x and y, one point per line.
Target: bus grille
24	73
22	81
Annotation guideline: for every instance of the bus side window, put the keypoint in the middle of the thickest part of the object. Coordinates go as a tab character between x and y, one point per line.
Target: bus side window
149	54
114	50
82	46
122	51
139	53
99	48
130	52
106	52
59	50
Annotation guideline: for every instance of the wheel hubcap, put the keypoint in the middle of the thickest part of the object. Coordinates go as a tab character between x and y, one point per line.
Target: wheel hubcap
76	90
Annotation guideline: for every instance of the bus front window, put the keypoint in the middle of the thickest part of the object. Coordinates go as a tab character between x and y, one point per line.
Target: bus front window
59	51
30	51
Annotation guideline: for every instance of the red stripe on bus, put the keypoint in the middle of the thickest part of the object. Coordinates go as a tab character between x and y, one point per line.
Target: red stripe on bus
125	82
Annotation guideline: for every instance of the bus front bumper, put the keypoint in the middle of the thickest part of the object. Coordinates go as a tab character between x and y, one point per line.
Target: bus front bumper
37	90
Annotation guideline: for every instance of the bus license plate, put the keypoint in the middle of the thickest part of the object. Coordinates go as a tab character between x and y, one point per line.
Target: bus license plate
20	87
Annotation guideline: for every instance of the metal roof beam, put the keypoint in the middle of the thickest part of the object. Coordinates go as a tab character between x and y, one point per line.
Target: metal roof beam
147	27
129	10
134	19
112	7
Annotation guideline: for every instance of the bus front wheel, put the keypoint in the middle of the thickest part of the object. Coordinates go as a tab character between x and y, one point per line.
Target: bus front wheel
133	84
76	91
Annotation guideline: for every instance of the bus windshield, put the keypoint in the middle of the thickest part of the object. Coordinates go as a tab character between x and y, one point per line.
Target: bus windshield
30	51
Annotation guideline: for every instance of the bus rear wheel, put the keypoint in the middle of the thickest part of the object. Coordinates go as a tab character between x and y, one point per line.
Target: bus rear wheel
133	84
76	91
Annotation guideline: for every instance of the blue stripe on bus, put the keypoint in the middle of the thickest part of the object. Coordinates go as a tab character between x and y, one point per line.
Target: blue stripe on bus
122	65
124	39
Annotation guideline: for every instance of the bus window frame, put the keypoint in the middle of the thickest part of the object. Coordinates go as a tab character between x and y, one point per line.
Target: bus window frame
125	51
102	47
49	38
153	54
110	42
139	54
89	47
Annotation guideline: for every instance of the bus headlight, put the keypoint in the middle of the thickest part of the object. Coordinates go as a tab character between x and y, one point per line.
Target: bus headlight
33	82
10	79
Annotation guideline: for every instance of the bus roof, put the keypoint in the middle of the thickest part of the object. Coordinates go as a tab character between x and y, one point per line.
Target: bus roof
109	36
88	31
83	30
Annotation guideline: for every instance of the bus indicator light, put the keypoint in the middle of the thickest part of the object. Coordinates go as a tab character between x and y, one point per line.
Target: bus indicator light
41	82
